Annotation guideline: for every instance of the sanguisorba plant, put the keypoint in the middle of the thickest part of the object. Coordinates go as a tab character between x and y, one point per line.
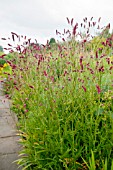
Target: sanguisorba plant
63	98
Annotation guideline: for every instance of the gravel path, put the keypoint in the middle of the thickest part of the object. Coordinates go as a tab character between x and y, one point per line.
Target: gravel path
9	146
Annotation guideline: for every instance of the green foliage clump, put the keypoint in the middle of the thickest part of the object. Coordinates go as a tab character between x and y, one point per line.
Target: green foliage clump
1	48
52	41
99	44
2	62
64	102
63	114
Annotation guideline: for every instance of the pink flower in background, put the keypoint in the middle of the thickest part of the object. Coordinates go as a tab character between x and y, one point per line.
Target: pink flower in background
52	78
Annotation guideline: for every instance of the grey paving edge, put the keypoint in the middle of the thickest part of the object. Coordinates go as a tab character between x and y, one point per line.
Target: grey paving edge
9	141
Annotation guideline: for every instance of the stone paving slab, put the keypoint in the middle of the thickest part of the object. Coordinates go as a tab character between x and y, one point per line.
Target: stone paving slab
1	89
9	145
7	126
4	112
4	102
6	162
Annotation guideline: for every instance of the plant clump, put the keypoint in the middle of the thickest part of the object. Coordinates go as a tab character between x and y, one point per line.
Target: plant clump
63	98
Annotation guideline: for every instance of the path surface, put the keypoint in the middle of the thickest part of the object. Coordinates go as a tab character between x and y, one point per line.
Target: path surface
9	146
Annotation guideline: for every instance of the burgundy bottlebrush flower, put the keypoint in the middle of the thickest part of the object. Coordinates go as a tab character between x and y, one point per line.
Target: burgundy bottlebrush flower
84	40
10	45
99	19
89	24
59	47
68	20
24	105
98	89
11	51
79	79
91	70
108	60
3	38
65	72
75	28
91	18
81	58
9	62
72	21
96	54
13	37
94	23
111	68
21	69
56	32
63	39
68	62
97	64
21	56
18	48
45	73
5	48
67	31
13	66
14	34
69	78
81	65
64	31
98	27
52	78
108	26
16	88
84	88
31	86
103	55
85	19
7	96
103	43
29	40
24	51
15	82
3	55
101	69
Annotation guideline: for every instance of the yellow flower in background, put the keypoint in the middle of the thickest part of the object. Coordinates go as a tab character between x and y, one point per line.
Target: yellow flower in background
5	65
1	68
111	58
